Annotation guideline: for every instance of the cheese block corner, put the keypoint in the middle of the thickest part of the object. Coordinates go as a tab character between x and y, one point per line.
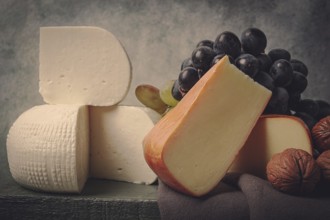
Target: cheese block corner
82	65
272	134
48	148
116	143
193	145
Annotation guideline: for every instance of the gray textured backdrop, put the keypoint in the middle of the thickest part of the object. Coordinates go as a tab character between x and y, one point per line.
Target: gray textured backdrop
157	35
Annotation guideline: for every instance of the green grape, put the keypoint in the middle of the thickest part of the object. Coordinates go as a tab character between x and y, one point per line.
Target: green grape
166	94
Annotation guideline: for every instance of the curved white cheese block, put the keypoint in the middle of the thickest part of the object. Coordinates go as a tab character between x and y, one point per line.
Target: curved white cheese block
48	148
82	65
116	143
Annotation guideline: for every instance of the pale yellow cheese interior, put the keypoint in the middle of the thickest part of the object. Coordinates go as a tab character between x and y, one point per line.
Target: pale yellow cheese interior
271	135
215	127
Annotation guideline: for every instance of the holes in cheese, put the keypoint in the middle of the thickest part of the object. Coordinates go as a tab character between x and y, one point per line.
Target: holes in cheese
116	143
48	148
82	65
272	134
192	146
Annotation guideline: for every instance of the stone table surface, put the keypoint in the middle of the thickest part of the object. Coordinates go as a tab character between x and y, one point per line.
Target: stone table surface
158	36
100	199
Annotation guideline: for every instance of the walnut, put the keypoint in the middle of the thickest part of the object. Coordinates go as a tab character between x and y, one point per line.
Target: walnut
321	134
323	161
293	171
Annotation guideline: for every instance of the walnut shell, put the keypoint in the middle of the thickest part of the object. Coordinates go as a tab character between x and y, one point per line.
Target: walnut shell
323	161
321	134
293	171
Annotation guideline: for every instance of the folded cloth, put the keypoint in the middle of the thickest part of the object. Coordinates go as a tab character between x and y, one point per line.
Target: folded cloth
254	199
225	202
267	203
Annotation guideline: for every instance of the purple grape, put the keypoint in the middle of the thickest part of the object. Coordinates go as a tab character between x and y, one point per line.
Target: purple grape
265	79
228	43
248	64
187	63
308	119
308	106
254	41
294	99
299	66
282	73
298	83
218	57
278	103
323	112
202	57
322	103
277	54
264	62
201	72
207	43
188	78
176	93
324	109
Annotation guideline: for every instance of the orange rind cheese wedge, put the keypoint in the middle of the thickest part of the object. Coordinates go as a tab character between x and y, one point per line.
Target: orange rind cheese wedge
194	144
271	135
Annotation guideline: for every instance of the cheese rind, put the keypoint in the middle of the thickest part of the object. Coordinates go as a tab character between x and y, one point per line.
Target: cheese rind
193	145
116	143
48	148
271	135
82	65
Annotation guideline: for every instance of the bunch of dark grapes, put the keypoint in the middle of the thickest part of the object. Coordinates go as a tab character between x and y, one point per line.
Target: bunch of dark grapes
276	70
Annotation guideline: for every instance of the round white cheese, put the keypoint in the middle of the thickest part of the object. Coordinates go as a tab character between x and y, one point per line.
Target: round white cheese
82	65
48	148
116	143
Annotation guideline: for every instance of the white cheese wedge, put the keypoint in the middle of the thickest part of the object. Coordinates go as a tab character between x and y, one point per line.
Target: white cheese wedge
48	148
193	145
272	134
116	143
82	65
